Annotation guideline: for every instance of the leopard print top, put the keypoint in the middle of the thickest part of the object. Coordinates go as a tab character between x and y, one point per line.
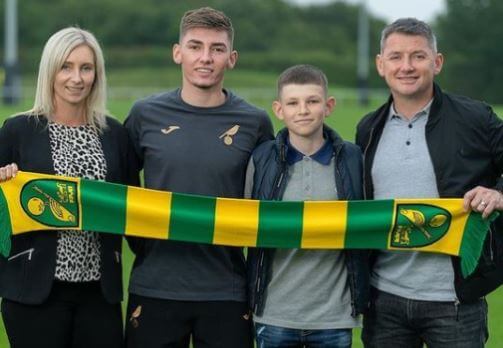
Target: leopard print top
77	152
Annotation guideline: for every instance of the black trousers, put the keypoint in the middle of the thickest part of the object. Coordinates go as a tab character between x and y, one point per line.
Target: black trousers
75	315
158	323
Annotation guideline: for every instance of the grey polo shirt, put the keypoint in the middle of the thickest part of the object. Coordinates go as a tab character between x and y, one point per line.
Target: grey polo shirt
402	168
309	289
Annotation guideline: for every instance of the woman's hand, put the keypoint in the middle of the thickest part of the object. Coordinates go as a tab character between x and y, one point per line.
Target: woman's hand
8	172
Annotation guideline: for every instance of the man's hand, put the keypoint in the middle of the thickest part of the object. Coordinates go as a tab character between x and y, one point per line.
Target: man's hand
483	200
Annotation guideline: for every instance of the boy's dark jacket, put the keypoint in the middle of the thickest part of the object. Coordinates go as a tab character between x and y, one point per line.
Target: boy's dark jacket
465	142
269	183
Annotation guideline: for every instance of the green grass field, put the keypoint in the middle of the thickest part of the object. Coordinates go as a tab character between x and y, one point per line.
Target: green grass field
344	119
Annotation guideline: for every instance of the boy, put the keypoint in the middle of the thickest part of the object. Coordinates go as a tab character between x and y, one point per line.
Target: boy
306	298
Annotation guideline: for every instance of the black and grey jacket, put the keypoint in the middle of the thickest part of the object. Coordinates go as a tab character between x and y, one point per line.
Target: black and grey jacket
465	142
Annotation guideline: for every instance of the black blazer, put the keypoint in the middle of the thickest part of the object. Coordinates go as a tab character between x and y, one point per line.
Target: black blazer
28	274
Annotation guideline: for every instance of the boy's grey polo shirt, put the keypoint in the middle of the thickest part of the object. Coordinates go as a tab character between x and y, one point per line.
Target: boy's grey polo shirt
309	289
402	168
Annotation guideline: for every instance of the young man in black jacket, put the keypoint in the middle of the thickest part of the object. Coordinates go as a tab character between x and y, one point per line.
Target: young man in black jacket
427	143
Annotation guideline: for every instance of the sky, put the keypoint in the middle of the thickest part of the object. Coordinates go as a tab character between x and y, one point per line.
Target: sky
389	10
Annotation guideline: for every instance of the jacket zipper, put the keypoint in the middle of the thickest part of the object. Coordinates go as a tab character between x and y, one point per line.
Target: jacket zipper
491	247
352	289
258	280
278	182
29	252
338	179
117	256
365	163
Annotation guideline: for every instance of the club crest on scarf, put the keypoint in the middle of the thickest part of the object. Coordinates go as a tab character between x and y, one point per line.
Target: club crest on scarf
418	225
51	202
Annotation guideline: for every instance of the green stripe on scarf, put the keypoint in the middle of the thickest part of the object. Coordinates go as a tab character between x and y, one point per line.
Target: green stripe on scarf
103	206
192	219
5	225
280	224
367	216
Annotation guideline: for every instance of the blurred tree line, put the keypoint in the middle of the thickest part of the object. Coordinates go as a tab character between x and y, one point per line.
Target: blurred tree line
270	36
470	35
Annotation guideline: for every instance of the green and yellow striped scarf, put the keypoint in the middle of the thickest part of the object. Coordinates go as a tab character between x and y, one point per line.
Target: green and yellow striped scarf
32	202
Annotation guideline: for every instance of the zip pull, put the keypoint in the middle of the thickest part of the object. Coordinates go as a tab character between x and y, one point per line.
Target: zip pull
29	252
117	256
258	279
280	180
456	306
277	186
491	246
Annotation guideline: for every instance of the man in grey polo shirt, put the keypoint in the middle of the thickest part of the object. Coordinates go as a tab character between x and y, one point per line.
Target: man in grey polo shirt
196	139
427	143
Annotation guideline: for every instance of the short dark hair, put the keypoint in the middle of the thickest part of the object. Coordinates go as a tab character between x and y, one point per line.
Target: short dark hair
409	26
206	17
302	74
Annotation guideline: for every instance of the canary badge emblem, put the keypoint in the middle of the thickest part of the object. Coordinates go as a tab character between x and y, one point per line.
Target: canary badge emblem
419	225
51	202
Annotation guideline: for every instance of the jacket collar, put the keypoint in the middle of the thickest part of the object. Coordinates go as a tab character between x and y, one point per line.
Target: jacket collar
282	144
322	156
434	115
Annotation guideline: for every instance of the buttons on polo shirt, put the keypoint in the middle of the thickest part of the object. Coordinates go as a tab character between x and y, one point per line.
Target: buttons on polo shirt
306	172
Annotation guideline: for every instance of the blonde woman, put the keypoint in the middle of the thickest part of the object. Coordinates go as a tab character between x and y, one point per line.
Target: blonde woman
63	289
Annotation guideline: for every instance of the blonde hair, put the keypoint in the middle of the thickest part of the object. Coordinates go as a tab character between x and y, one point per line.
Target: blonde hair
56	51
